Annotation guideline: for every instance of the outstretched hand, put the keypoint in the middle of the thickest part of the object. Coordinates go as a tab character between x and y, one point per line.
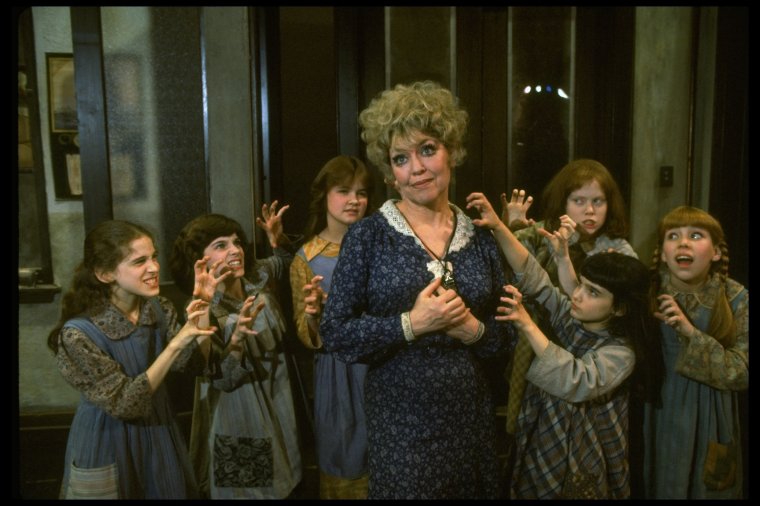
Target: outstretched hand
488	217
245	320
511	309
190	330
560	238
314	297
208	278
514	213
271	223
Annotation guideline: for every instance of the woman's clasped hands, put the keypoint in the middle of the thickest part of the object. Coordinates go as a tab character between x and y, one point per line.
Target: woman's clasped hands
437	308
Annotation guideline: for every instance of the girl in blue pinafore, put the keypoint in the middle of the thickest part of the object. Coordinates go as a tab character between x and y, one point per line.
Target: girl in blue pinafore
692	438
340	197
115	343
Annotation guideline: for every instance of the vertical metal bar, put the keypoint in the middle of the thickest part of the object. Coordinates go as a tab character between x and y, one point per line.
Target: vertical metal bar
692	104
87	40
346	50
510	179
571	111
204	91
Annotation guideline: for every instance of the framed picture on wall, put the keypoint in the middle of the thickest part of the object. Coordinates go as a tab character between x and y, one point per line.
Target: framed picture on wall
62	92
25	151
64	137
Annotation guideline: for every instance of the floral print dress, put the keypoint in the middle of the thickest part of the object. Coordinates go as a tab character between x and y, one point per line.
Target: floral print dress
428	403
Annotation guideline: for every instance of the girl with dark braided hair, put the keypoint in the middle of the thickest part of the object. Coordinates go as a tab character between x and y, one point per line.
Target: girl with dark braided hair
692	439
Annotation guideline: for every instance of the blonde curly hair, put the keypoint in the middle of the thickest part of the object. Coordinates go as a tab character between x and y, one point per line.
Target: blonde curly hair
423	106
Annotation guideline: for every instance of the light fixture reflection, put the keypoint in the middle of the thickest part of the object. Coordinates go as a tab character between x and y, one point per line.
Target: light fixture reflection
548	89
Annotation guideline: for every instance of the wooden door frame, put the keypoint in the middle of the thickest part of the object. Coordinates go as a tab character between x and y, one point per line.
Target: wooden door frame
729	177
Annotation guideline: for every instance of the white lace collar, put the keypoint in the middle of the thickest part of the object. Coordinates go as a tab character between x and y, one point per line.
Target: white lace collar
464	231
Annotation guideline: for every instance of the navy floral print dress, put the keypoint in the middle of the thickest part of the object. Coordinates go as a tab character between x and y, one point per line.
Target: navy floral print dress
428	403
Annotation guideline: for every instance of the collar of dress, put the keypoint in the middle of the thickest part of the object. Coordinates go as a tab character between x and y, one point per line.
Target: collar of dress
465	229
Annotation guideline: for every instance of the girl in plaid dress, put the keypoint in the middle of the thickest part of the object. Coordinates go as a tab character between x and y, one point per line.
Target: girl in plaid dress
572	430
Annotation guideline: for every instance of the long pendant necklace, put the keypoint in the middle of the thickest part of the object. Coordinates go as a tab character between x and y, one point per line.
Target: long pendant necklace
447	279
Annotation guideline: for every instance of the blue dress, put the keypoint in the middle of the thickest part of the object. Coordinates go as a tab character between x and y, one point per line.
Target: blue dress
339	419
693	441
124	442
428	404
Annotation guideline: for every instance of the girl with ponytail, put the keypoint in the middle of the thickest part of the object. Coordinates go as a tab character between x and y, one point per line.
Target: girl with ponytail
116	341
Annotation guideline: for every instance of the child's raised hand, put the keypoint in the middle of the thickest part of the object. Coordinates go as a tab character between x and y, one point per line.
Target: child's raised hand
190	330
246	317
272	222
488	217
514	213
559	239
207	278
566	227
512	309
314	297
672	314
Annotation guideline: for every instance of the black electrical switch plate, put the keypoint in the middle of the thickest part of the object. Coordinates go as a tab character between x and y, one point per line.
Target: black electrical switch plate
666	176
